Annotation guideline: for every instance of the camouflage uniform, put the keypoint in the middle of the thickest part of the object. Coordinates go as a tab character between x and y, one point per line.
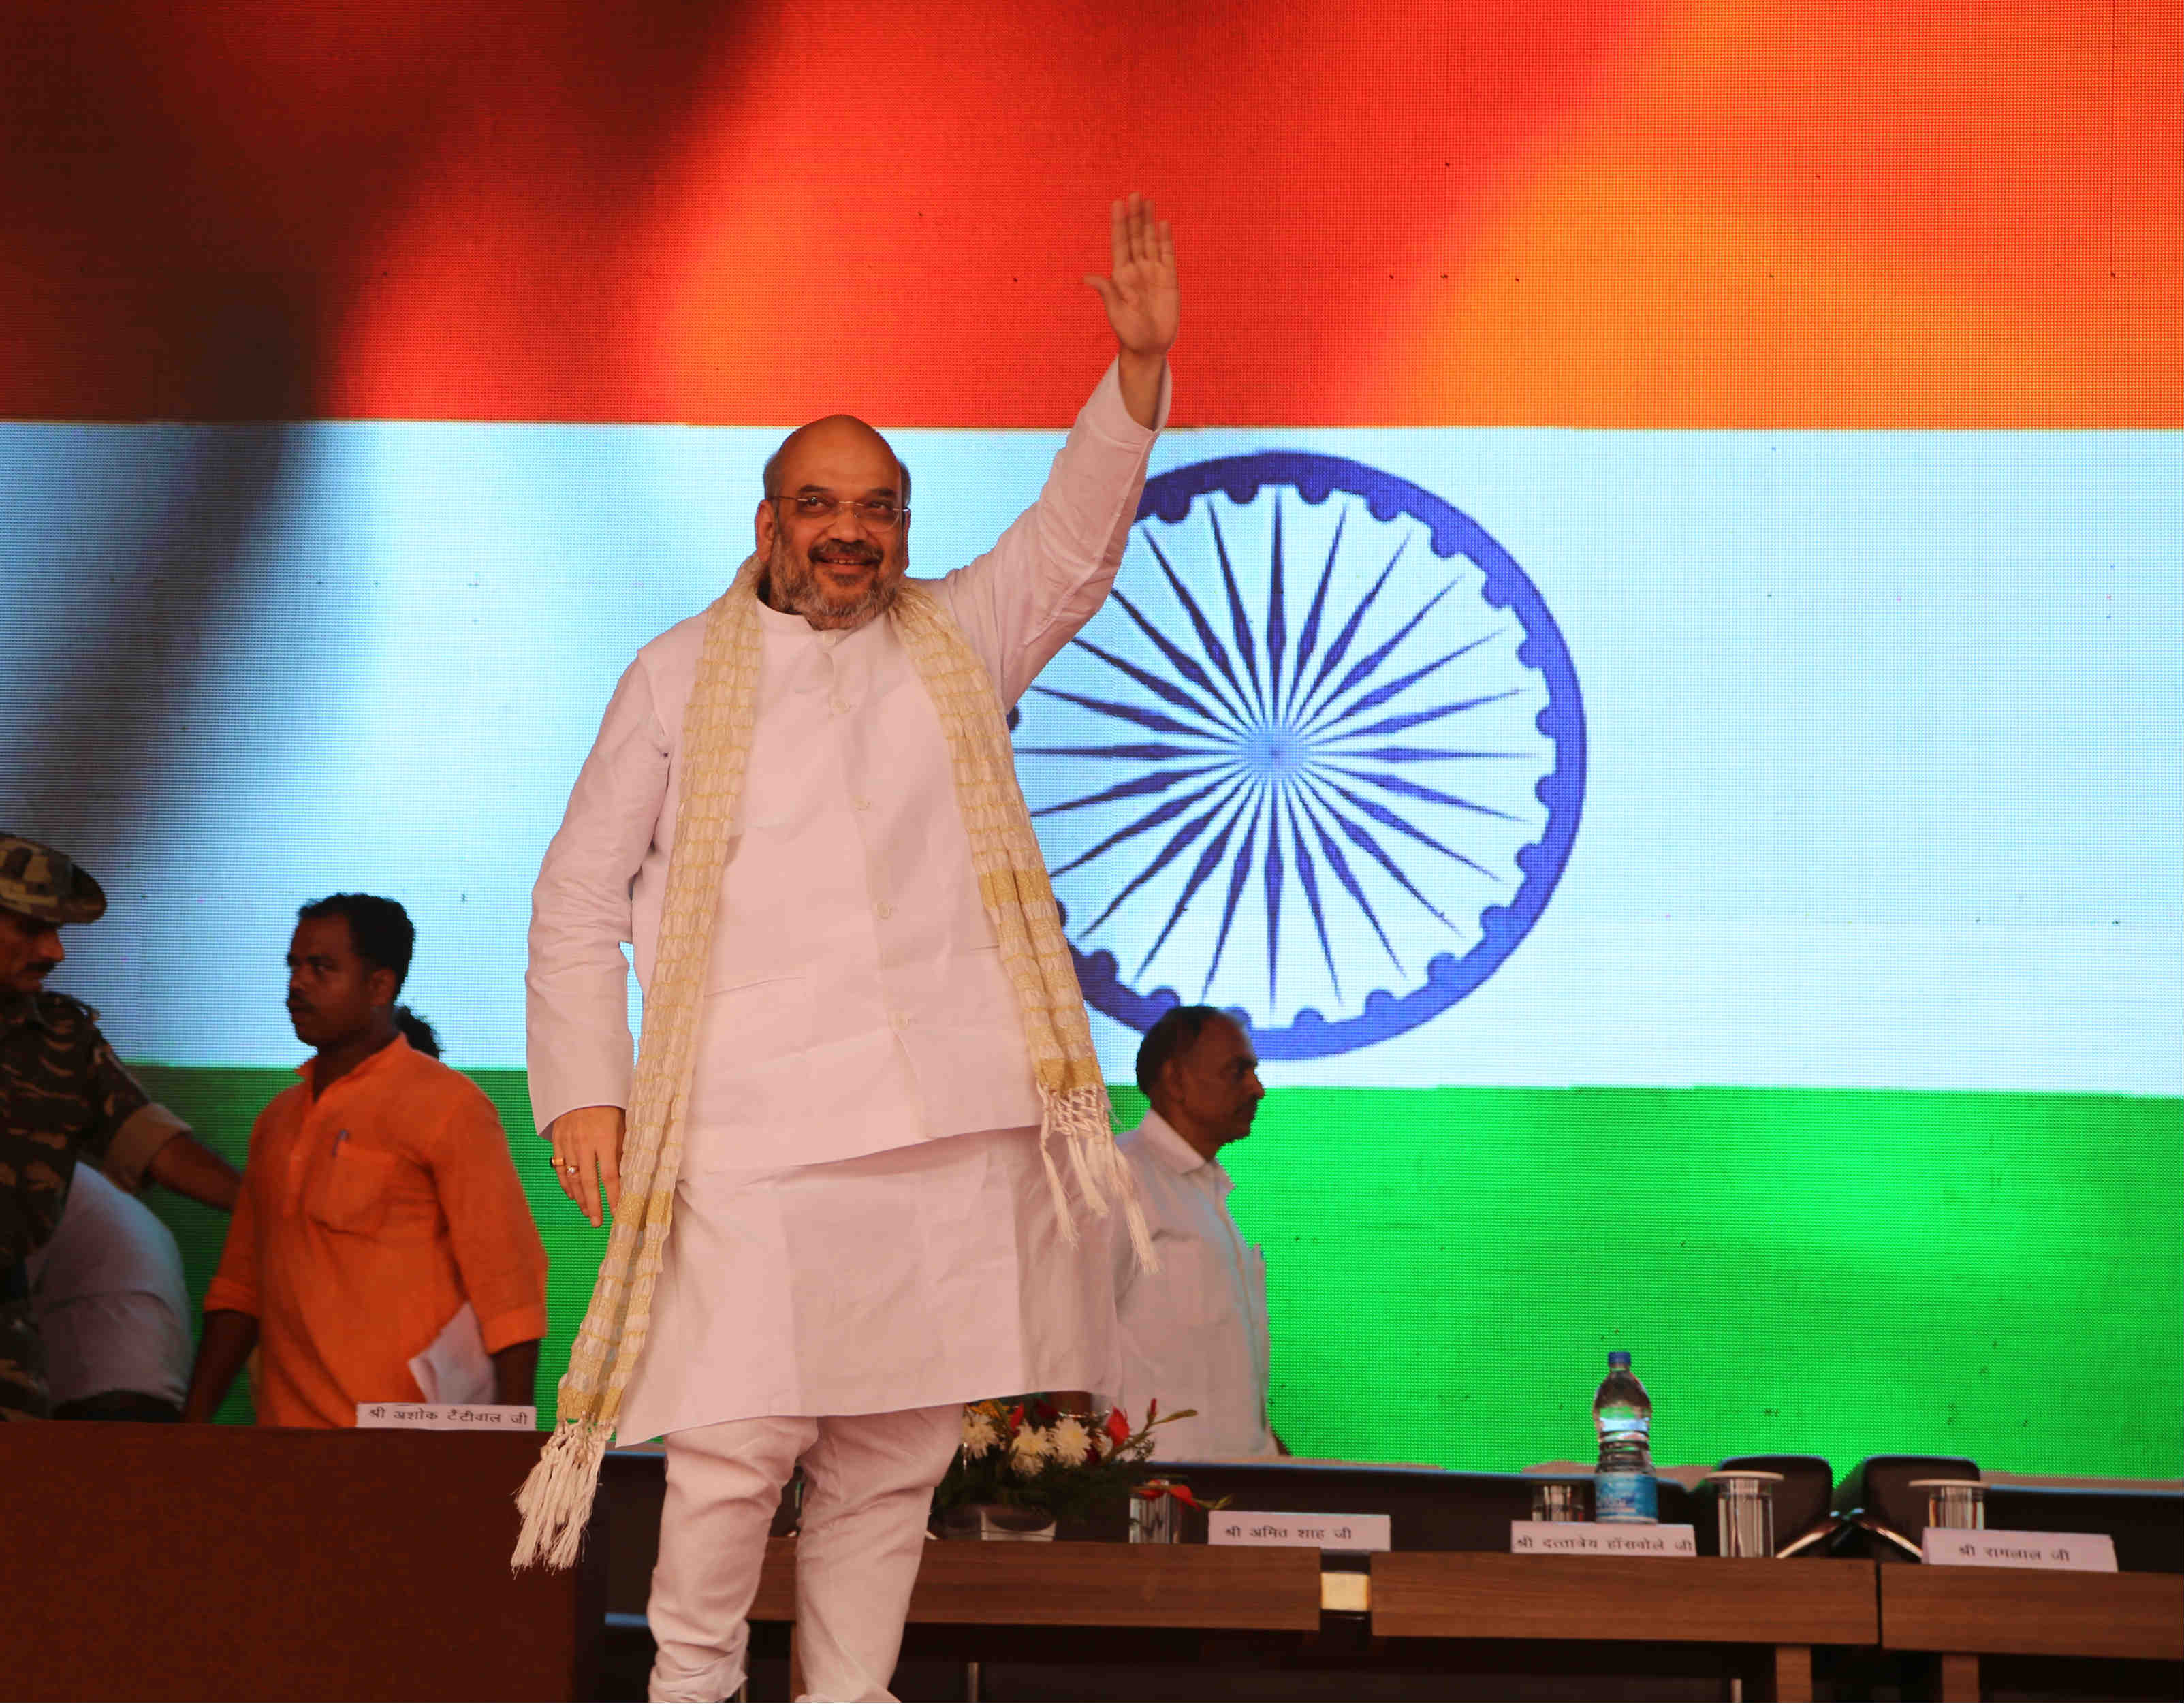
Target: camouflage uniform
64	1097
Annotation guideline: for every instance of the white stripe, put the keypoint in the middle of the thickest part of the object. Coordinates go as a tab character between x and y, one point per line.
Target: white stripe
1885	729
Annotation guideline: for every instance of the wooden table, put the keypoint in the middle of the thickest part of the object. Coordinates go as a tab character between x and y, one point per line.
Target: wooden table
1183	1587
1210	1587
1962	1614
1792	1605
254	1562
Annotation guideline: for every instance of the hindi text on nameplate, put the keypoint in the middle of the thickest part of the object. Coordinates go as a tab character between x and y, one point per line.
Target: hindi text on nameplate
1599	1539
444	1417
1353	1533
1996	1547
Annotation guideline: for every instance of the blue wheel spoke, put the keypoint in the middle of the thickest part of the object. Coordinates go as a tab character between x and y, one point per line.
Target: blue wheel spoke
1329	716
1144	825
1363	667
1308	879
1340	865
1277	622
1152	720
1238	623
1412	789
1136	753
1208	640
1136	787
1398	724
1208	861
1309	642
1239	871
1361	837
1180	660
1340	648
1182	838
1164	690
1378	753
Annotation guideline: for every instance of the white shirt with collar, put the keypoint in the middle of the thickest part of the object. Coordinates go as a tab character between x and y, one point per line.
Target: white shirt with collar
861	1223
1195	1332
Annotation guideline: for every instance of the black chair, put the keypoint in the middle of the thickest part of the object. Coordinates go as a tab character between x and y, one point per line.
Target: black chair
1886	1515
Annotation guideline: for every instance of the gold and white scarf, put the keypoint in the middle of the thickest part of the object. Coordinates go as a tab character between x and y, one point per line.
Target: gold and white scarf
717	725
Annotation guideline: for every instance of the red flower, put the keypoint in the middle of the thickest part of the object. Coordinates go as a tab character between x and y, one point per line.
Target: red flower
1182	1494
1118	1427
1152	1410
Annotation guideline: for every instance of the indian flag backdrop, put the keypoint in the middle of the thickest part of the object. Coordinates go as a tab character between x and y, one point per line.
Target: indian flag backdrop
1649	668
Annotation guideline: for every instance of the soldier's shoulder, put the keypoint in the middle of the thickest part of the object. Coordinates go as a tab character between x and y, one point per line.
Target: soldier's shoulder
65	1011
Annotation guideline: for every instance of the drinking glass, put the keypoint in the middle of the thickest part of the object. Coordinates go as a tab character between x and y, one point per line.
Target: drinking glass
1559	1500
1953	1502
1156	1516
1744	1511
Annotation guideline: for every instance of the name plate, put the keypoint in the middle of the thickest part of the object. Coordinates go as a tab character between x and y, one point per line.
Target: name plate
1351	1534
1599	1539
444	1417
1998	1547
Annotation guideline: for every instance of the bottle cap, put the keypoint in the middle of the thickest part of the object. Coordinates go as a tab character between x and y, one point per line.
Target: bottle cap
1619	1360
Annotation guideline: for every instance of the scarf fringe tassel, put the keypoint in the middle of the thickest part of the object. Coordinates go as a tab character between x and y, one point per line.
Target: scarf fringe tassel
556	1501
1079	1117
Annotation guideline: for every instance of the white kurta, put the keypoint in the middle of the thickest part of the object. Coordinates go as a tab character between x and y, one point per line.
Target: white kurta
861	1219
1195	1332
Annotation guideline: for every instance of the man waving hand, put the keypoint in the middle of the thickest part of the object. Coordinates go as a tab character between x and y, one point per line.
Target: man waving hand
866	1125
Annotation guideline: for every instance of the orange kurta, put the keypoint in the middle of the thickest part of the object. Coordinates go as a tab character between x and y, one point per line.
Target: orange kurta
369	1214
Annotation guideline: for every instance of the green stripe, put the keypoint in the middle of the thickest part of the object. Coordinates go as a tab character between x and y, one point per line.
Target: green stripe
1998	1276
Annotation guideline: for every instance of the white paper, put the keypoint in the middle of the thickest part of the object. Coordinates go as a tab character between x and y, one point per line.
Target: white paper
455	1368
444	1417
1600	1538
1351	1535
1999	1547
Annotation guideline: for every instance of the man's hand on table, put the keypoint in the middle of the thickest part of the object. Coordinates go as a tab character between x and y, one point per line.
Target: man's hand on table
588	1157
1142	302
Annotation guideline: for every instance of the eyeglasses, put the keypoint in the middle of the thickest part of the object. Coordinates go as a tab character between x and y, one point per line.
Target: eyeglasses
881	514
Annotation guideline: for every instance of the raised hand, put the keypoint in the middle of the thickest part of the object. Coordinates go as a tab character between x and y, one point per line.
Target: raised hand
1141	300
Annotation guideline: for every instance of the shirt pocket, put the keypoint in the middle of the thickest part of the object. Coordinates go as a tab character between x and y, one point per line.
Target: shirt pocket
353	1191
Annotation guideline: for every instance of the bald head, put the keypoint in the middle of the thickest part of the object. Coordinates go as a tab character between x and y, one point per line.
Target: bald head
818	444
833	527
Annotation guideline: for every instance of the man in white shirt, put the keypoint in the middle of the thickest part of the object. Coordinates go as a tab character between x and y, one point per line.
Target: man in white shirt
863	1233
1195	1332
107	1298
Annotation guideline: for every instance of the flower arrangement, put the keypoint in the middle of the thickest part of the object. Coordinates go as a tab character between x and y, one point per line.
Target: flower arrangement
1026	1452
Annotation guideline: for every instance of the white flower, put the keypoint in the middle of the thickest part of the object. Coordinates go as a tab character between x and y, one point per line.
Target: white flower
980	1434
1072	1442
1029	1450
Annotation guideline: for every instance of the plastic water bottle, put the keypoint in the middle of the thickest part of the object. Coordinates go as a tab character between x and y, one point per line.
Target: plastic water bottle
1622	1488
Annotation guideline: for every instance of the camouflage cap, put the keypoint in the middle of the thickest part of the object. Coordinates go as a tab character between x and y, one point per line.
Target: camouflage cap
45	885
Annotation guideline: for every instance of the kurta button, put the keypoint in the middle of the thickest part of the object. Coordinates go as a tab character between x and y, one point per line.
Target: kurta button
838	705
901	1021
885	910
861	804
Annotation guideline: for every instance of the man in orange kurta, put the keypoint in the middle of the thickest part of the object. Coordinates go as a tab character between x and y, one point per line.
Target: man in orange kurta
378	1199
